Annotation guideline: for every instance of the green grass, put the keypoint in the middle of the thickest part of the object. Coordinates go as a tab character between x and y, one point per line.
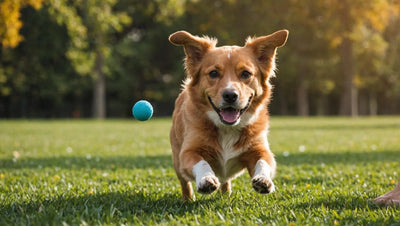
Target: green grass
120	172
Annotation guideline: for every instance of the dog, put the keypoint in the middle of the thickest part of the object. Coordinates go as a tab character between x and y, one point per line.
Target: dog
220	121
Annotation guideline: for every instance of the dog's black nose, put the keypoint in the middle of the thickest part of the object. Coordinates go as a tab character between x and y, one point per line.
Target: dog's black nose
230	96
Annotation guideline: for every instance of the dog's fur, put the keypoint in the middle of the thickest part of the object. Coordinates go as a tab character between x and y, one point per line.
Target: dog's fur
220	121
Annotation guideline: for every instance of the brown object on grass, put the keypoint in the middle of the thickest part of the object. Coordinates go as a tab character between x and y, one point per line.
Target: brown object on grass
390	198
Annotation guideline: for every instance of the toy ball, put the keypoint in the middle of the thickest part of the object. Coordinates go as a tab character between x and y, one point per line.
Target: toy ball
142	110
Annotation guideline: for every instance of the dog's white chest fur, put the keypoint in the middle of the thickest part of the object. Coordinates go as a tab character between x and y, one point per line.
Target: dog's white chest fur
230	167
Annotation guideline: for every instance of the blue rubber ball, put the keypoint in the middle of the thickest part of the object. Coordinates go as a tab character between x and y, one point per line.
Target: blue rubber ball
142	110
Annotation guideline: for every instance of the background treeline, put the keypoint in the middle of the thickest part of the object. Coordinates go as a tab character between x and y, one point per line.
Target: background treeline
91	58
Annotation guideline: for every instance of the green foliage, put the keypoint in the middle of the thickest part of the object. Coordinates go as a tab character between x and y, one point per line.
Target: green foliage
120	172
67	15
90	24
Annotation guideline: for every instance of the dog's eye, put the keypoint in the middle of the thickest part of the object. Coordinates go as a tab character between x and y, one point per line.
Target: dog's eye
213	74
245	75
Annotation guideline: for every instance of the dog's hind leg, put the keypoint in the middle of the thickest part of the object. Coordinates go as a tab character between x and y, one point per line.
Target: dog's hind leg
226	187
187	190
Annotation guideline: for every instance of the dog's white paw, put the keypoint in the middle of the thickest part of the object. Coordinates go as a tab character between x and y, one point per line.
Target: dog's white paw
263	184
208	184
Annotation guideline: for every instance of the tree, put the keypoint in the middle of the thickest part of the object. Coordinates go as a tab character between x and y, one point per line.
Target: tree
390	80
96	28
346	17
10	22
36	82
91	25
144	63
309	46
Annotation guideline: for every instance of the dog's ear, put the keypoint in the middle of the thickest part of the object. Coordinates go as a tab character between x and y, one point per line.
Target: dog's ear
264	47
195	47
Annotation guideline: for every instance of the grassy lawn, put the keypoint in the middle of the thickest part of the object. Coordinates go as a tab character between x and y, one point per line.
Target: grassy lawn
120	172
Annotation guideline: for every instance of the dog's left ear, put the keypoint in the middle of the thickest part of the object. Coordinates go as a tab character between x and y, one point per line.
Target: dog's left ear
264	47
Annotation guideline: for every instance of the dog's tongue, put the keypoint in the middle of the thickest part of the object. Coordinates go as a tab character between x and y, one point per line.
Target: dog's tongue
230	115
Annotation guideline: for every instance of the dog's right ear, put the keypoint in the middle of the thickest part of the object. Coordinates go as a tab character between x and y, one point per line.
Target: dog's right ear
195	47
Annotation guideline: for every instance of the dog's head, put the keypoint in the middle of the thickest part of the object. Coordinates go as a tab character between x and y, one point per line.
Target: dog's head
230	83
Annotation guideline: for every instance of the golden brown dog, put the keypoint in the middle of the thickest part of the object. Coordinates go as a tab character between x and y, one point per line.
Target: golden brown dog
220	121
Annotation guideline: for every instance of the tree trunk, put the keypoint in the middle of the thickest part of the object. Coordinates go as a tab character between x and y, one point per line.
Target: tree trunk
321	105
363	104
99	91
348	101
373	104
302	97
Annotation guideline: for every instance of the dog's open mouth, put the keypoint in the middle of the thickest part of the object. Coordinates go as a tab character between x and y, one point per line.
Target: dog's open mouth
229	115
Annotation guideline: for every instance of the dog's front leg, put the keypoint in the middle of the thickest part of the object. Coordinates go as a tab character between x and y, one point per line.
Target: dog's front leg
195	167
261	165
206	181
262	178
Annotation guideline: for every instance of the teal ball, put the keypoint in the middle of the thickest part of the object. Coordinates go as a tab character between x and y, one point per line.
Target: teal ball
142	110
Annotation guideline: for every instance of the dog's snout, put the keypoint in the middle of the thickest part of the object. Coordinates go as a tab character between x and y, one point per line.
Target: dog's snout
230	96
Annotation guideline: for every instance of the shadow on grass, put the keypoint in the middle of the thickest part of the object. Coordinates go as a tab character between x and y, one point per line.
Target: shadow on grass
337	126
120	208
145	208
115	162
165	161
343	157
